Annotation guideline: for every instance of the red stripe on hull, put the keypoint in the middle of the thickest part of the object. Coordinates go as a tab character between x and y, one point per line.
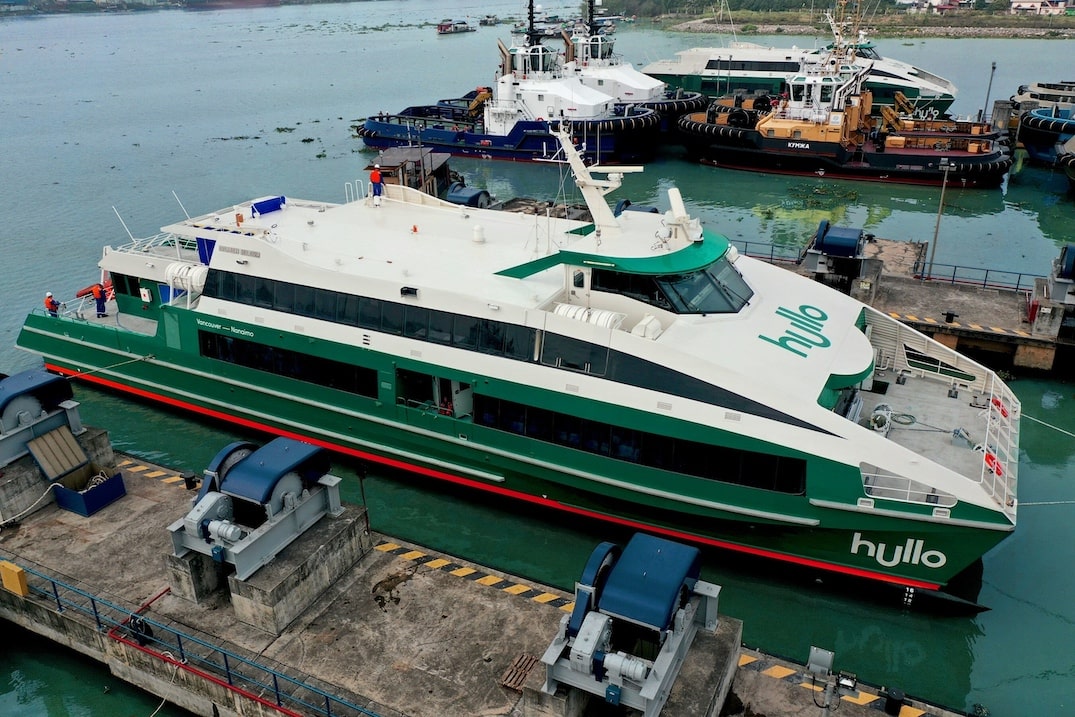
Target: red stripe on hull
545	502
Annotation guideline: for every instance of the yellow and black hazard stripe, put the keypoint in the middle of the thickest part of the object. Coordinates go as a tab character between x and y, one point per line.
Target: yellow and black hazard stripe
477	576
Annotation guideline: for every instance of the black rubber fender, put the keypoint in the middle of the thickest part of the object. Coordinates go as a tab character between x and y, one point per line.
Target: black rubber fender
1048	124
739	118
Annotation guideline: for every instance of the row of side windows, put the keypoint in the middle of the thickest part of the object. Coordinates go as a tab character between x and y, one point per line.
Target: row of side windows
290	364
415	322
727	465
724	65
471	333
390	317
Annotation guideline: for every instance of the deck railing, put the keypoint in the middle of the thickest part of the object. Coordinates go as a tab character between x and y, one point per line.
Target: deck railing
163	244
976	277
941	273
185	651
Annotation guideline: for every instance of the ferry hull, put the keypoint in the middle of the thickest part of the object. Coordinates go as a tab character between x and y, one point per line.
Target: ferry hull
919	554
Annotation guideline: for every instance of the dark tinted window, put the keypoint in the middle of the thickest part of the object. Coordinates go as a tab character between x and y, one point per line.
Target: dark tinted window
718	463
417	323
289	364
370	314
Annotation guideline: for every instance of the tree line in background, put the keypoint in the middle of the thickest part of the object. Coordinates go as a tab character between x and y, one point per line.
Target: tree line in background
696	8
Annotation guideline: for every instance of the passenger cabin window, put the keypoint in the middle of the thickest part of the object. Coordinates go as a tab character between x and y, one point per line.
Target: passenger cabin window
127	285
718	287
574	355
724	464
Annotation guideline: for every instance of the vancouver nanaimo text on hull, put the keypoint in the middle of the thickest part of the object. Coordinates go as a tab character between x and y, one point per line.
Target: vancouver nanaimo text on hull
633	368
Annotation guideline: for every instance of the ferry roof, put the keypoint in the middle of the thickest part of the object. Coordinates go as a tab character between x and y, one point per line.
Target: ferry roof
469	260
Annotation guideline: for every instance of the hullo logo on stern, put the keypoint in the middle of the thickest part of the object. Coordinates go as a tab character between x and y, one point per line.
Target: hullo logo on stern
911	553
805	332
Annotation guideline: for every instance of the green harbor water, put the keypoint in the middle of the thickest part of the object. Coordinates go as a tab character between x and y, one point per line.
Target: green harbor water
120	110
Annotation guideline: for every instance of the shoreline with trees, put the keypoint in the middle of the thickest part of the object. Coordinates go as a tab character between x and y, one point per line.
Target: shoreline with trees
891	25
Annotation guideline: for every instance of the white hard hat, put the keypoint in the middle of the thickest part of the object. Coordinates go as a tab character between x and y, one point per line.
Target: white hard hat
48	294
376	166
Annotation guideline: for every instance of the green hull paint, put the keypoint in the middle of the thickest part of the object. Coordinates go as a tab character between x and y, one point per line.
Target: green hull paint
495	460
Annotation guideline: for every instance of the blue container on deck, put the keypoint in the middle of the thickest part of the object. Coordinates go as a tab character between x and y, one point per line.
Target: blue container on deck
100	493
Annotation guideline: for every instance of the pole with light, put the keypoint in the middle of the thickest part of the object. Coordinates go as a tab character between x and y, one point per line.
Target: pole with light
940	210
988	90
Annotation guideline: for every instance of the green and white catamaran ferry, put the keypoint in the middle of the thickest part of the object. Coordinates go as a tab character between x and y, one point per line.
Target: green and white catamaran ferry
633	368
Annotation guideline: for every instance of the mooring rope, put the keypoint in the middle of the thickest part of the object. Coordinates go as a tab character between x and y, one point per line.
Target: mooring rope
80	374
1049	425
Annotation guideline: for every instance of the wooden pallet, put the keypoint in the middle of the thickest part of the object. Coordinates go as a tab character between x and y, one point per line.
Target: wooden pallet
514	677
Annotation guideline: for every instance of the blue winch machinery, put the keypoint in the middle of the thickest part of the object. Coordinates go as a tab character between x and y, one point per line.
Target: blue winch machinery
253	502
32	403
835	255
636	614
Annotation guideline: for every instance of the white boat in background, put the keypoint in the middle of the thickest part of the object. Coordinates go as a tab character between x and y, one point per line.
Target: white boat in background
749	69
590	57
1045	94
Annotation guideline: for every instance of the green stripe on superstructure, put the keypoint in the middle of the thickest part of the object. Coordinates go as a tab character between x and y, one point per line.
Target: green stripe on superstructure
830	394
697	255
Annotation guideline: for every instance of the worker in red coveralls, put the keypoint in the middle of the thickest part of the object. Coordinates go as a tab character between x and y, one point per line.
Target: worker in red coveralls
51	305
99	296
377	183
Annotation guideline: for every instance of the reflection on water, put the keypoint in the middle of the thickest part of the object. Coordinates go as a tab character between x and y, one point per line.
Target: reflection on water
1015	229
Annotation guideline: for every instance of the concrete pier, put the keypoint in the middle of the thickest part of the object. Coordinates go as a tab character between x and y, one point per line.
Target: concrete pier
401	631
976	318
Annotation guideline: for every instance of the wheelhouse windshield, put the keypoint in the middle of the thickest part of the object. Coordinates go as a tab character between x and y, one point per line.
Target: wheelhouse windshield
716	289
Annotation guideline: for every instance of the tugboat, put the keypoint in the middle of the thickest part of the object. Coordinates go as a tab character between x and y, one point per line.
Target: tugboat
516	118
1044	129
823	124
590	57
1065	159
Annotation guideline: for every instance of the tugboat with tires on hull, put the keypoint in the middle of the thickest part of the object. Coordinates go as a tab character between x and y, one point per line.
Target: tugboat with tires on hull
1065	159
823	124
590	57
516	118
1042	131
